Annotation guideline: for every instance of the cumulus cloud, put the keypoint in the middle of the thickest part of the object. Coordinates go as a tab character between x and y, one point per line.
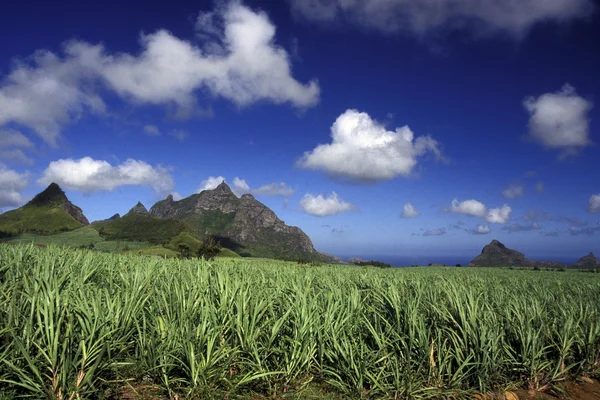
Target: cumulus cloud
12	143
423	17
481	230
594	203
239	186
88	175
559	120
476	208
323	206
12	184
409	211
151	130
274	189
534	226
238	60
468	207
210	183
435	232
514	191
499	215
364	150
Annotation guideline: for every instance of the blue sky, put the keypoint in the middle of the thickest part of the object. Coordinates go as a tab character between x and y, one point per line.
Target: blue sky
377	127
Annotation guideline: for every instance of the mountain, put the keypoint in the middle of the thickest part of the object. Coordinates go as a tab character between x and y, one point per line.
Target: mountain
244	224
48	213
138	209
496	254
589	261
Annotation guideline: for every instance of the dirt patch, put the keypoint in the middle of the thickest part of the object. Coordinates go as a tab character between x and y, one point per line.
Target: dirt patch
584	389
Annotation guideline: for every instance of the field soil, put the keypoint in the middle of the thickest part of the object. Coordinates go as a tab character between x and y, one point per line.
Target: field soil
584	389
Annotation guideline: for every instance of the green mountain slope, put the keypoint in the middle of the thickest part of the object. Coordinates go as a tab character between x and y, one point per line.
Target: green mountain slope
135	226
48	213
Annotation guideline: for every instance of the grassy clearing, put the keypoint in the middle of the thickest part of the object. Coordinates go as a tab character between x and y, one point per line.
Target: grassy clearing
76	323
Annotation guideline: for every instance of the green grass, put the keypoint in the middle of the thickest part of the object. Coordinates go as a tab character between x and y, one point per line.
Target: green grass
44	220
76	323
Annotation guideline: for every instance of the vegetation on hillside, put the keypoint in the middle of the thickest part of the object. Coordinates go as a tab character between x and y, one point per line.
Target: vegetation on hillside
141	228
43	220
77	323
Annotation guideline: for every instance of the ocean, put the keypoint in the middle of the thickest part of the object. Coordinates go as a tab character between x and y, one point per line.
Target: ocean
421	260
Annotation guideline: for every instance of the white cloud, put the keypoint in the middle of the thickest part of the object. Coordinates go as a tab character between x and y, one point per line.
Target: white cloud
88	175
481	230
210	183
559	120
409	211
12	184
363	150
274	189
151	130
514	191
422	17
594	205
476	208
11	143
240	186
468	207
176	196
539	187
323	206
434	232
239	62
499	215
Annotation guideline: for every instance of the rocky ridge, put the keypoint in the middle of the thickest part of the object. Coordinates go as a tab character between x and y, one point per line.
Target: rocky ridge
247	224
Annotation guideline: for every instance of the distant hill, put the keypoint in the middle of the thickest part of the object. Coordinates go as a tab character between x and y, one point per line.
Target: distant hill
497	254
243	225
48	213
139	226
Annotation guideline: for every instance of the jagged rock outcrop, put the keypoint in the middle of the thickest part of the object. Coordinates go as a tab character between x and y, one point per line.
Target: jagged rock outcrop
53	195
589	261
246	225
74	212
138	209
496	254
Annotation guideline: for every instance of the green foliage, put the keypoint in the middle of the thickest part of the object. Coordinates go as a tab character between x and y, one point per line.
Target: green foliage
75	323
213	221
43	220
227	253
184	238
141	228
378	264
209	249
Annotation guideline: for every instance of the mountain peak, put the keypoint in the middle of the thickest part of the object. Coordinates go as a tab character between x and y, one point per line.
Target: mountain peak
138	209
52	195
223	188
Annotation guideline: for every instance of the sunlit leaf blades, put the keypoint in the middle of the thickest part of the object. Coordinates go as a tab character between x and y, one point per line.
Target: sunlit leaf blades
79	324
